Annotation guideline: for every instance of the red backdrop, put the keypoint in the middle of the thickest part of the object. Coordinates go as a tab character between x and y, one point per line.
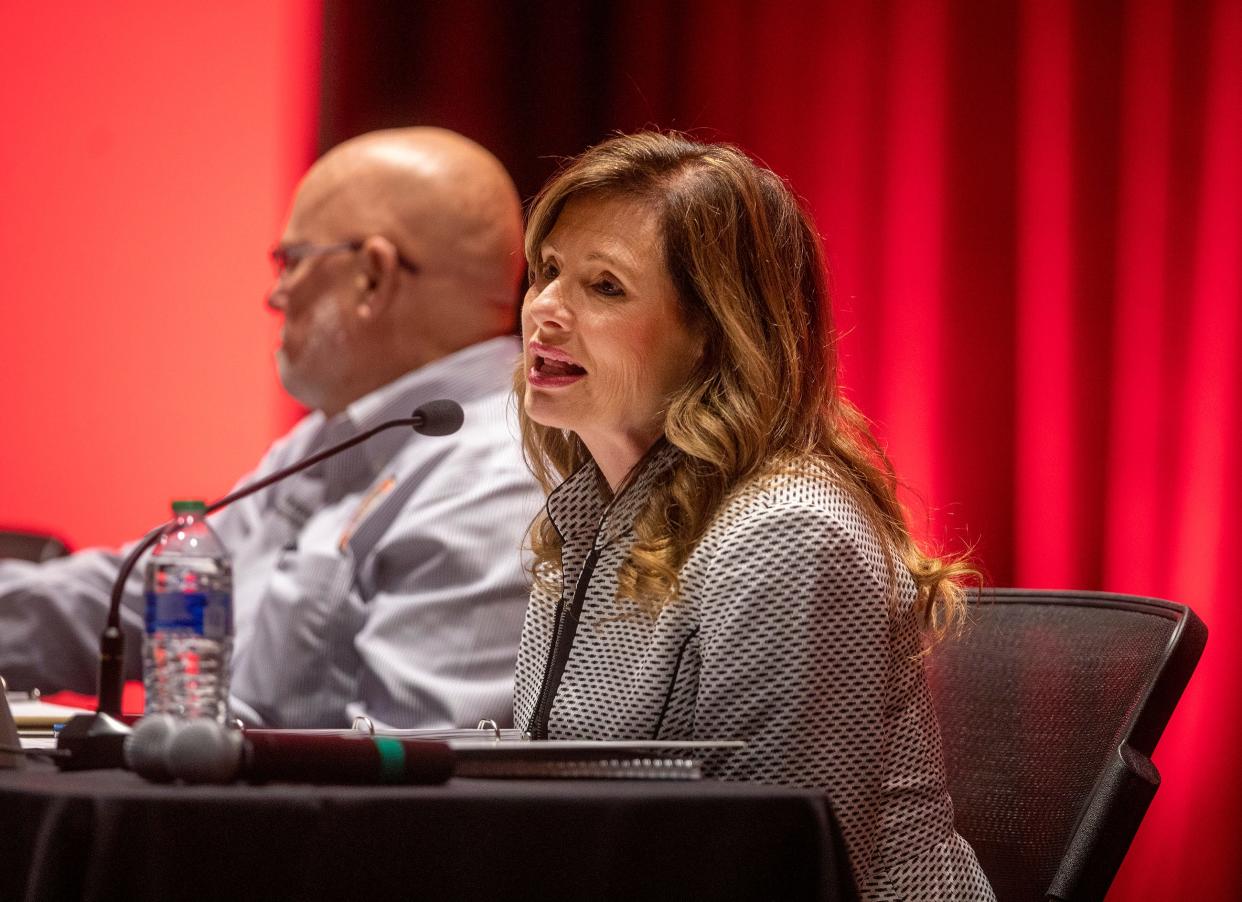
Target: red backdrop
1035	212
149	151
1033	208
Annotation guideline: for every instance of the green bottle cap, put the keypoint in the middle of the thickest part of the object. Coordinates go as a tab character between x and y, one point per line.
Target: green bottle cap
189	507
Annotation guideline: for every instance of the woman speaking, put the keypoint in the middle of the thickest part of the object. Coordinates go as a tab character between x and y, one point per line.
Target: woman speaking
723	555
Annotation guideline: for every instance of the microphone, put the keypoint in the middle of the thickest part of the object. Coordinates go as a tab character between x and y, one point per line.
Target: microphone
441	417
163	748
95	740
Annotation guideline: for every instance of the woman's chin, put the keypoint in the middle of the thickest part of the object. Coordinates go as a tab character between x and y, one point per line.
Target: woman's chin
546	411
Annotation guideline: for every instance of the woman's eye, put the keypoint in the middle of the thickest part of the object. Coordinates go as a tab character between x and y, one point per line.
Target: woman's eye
609	288
542	272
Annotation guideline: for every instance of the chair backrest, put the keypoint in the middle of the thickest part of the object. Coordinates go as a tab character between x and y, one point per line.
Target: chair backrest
30	546
1050	705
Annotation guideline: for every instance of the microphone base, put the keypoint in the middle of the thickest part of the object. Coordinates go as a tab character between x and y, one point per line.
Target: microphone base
93	741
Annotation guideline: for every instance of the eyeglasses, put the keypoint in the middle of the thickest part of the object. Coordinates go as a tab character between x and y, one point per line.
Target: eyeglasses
287	256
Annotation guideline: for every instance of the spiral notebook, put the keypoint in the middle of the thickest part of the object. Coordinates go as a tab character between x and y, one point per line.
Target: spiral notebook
544	758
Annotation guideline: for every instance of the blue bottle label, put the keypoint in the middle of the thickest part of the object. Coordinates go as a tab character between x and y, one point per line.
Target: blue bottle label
207	614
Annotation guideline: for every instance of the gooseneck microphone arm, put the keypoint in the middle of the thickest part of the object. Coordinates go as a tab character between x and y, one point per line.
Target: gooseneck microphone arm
112	640
434	418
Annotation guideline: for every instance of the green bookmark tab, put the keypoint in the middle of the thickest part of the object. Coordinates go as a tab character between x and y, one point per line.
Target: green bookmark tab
392	759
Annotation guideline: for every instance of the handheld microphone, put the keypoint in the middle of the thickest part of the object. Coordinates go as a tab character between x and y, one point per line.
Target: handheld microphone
162	748
434	418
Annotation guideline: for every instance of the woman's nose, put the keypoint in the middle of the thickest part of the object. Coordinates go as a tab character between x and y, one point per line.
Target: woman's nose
547	307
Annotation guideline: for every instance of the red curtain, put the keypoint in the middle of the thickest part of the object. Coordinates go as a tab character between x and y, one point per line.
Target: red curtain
1034	213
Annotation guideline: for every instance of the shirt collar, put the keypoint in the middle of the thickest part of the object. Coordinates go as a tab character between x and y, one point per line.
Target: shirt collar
464	376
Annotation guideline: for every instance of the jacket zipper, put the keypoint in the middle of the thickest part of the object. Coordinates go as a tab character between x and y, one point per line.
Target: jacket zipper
562	642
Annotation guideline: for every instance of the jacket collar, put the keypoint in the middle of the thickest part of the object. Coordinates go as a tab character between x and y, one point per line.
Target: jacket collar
579	505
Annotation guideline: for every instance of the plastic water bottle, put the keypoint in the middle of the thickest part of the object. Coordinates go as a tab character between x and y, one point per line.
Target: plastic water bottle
189	636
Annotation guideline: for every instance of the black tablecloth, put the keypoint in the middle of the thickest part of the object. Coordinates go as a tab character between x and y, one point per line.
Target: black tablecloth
110	835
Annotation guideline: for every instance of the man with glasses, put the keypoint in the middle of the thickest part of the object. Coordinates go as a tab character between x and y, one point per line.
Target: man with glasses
386	581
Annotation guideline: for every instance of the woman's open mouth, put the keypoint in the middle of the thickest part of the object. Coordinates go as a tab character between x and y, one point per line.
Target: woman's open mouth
552	368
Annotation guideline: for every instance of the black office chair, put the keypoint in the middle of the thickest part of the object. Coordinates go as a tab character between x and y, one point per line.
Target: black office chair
30	546
1050	706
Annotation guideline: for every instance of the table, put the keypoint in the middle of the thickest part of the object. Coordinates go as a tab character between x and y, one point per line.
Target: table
111	835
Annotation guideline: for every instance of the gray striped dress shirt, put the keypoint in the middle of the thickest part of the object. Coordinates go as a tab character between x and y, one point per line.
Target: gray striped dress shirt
386	581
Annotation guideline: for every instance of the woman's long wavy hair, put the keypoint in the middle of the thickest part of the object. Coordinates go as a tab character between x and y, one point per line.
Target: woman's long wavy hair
749	270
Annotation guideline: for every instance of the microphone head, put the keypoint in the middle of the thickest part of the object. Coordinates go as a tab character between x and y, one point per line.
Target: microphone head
203	751
146	748
441	417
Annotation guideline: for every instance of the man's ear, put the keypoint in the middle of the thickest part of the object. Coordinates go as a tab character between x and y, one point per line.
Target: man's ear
377	282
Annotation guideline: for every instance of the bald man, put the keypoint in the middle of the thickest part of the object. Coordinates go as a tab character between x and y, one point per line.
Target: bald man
387	581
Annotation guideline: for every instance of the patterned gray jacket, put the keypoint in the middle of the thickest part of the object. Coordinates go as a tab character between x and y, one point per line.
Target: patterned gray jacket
784	636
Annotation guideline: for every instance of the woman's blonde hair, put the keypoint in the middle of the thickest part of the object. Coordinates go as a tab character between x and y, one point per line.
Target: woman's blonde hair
749	270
